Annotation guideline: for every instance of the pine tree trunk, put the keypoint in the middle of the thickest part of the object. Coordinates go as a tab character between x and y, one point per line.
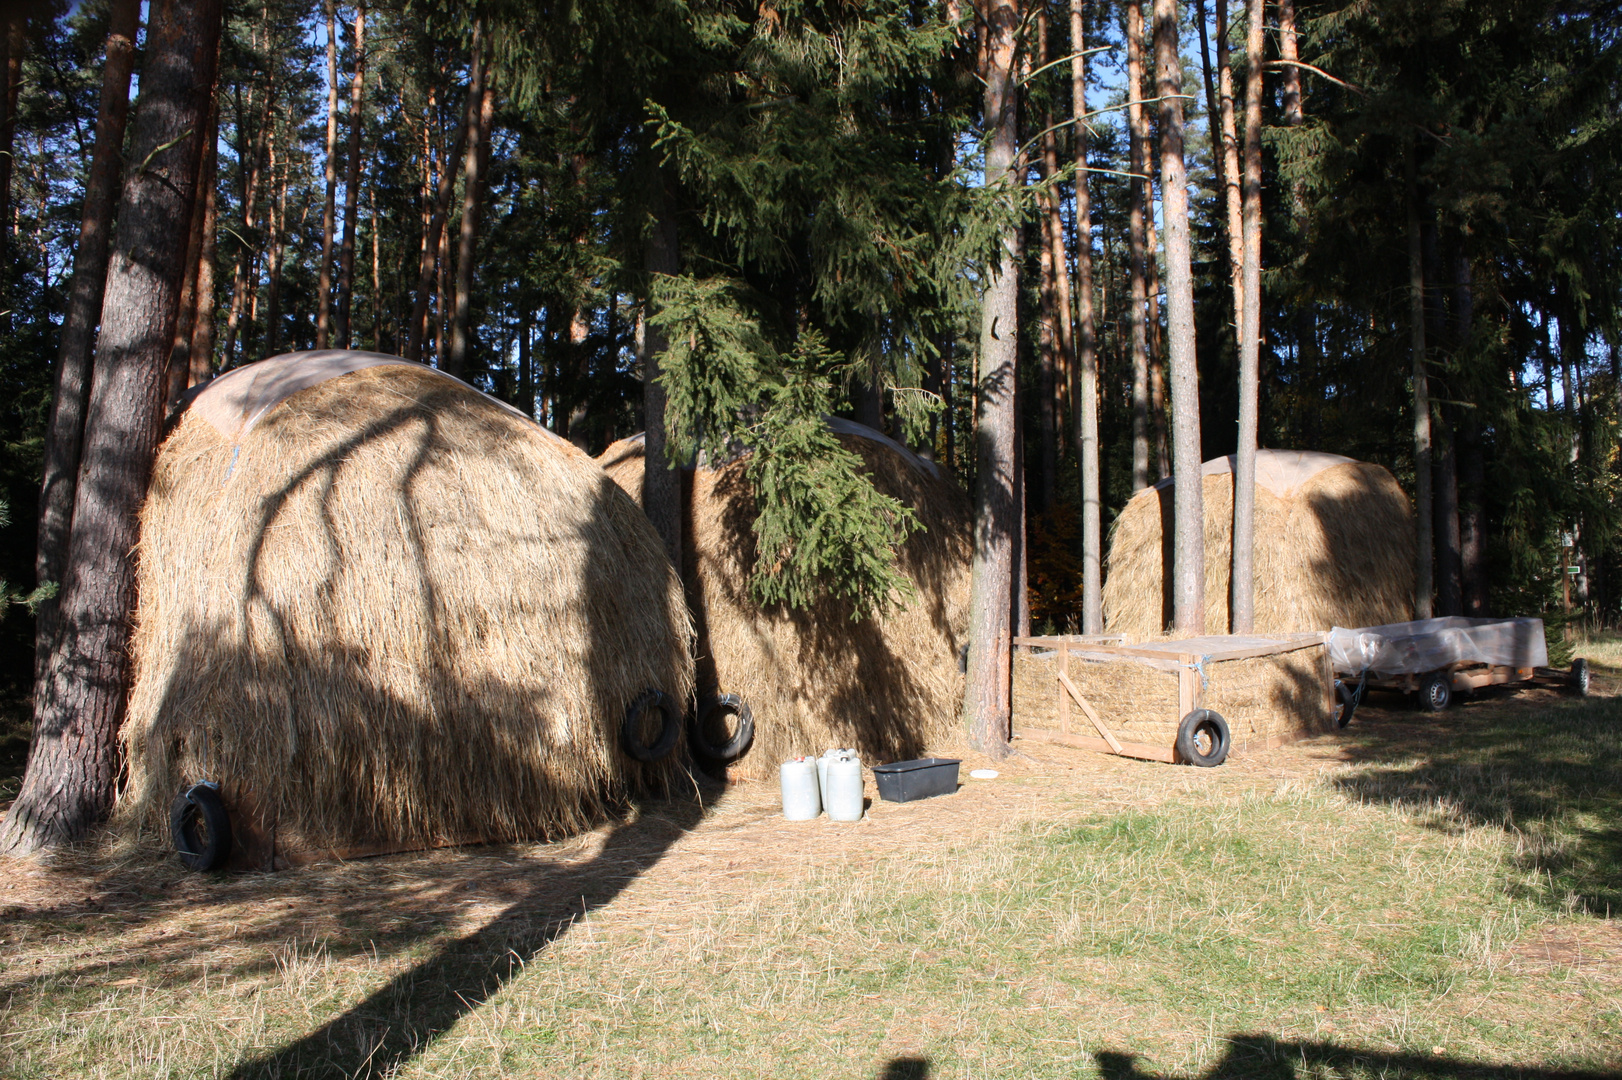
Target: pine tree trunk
323	295
202	327
1055	270
526	371
357	122
273	307
179	366
433	243
11	59
1137	317
1242	602
1188	558
1213	105
1047	346
988	688
661	482
64	437
245	276
1423	583
478	158
1232	198
73	760
580	361
377	274
1085	395
1449	595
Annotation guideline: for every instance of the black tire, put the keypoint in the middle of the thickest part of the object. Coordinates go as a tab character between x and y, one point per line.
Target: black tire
669	730
1579	677
1348	698
201	828
742	738
1202	739
1435	691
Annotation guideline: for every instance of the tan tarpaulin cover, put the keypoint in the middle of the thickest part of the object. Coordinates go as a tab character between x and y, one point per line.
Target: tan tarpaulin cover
235	401
1279	471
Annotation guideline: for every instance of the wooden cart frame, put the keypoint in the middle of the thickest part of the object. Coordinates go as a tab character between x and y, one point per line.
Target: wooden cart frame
1191	655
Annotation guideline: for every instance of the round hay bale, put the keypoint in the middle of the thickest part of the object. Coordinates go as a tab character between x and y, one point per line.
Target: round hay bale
889	687
1334	547
386	611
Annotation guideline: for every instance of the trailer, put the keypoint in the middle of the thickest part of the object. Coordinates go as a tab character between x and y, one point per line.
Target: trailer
1433	659
1189	701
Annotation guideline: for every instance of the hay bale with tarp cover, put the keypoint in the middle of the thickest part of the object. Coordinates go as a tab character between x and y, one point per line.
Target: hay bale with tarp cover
888	686
383	611
1334	547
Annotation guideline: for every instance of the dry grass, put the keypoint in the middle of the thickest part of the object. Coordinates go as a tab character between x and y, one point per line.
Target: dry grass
396	612
814	679
1338	551
1411	898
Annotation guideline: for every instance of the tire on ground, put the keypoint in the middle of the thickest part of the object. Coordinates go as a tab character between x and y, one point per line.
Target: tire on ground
735	747
200	828
1203	739
669	729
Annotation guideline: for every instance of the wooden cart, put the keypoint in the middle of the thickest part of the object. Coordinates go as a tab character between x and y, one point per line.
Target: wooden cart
1155	732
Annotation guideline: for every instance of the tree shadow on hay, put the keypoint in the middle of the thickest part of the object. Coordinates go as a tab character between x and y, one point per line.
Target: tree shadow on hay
1265	1057
1548	773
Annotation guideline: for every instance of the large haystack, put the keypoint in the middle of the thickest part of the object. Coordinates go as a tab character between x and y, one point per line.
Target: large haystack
1334	547
383	610
814	679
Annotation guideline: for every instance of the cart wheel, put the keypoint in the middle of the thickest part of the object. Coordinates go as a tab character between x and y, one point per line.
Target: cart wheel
1202	739
1435	692
1579	676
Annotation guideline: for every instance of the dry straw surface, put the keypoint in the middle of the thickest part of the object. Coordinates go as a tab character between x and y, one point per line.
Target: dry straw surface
1336	550
889	687
395	613
1266	697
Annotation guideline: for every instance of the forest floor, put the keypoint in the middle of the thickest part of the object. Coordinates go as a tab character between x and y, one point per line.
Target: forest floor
1413	897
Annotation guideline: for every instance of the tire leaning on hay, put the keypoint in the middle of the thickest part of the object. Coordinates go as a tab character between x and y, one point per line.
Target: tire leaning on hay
1334	547
888	687
390	612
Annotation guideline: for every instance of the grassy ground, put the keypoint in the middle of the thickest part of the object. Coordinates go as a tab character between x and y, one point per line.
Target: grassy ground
1415	897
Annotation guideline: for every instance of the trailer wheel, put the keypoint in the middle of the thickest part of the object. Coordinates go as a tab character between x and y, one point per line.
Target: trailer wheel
1435	692
669	729
200	827
1579	676
742	736
1348	698
1202	739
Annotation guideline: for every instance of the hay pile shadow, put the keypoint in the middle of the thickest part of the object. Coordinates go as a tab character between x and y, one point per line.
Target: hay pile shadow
1548	774
1266	1057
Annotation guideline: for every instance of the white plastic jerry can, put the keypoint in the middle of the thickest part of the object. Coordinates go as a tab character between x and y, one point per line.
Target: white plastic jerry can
822	770
844	790
802	800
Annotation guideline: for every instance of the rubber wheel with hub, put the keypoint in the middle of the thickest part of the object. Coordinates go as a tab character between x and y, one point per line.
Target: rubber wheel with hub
1435	692
1202	739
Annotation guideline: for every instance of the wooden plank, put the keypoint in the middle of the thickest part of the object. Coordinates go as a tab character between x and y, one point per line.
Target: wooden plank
1052	641
1188	691
1109	736
1087	742
1171	650
1087	709
1064	699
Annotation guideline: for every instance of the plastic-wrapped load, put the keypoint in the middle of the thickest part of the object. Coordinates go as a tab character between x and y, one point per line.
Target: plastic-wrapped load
1411	648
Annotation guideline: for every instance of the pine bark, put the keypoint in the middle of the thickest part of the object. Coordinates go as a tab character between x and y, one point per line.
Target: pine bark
1057	354
1188	557
1423	583
449	164
1242	602
64	437
323	295
202	326
1213	105
73	761
477	159
273	306
661	482
1085	395
1232	197
357	123
12	46
1137	318
987	691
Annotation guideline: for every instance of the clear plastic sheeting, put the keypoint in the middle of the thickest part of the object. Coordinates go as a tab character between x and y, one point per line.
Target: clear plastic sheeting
1412	648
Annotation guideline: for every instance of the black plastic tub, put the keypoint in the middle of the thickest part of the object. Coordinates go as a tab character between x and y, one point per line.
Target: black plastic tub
922	778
